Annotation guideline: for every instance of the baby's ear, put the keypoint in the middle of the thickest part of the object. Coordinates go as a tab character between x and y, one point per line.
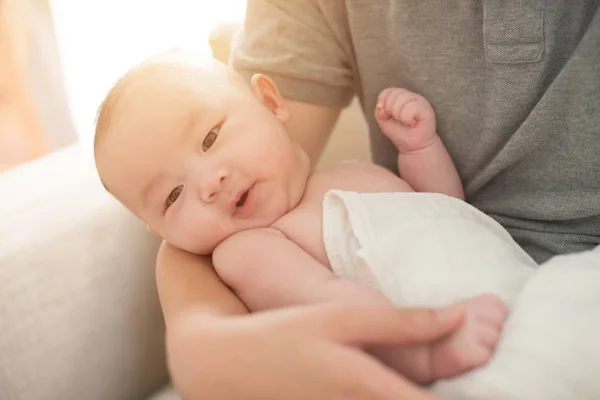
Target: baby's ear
267	93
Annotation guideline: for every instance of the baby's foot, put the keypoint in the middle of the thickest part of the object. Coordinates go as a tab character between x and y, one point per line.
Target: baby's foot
406	118
472	345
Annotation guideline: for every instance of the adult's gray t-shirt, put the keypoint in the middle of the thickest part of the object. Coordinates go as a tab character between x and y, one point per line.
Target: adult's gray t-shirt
515	86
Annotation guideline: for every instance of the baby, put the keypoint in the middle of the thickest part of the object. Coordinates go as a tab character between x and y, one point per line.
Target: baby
204	159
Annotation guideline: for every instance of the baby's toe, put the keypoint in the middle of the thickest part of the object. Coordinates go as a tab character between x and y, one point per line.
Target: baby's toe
480	354
488	336
491	310
472	354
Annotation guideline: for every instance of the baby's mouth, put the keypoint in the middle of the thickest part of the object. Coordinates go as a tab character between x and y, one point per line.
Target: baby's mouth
242	199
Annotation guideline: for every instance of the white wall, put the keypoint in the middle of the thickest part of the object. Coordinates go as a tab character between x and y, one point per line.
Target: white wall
99	40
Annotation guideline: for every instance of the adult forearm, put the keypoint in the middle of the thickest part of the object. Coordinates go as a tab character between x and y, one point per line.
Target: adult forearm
311	126
194	300
187	283
348	292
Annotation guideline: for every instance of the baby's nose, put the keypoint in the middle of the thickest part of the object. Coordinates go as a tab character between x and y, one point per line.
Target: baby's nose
211	186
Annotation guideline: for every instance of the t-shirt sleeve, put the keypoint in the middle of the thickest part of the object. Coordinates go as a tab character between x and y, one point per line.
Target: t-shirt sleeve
292	42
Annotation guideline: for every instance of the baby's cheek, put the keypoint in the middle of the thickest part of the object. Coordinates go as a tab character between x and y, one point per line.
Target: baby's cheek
201	235
180	238
180	231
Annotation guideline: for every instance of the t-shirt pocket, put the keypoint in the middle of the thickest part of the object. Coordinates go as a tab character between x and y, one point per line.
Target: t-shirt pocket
513	31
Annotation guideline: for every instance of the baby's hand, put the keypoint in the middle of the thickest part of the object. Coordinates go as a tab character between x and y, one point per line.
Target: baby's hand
406	118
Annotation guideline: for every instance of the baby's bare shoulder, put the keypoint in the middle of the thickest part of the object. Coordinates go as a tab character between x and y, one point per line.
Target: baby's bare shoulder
362	167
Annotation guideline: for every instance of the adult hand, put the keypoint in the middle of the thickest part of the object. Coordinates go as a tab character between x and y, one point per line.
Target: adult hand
299	353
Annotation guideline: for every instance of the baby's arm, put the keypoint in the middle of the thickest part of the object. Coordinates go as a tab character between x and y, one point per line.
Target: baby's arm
267	270
408	120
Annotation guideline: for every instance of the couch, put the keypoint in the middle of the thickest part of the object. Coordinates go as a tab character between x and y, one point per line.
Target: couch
79	313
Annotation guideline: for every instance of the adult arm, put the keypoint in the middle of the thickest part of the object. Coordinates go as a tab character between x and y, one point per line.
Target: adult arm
269	271
310	126
308	353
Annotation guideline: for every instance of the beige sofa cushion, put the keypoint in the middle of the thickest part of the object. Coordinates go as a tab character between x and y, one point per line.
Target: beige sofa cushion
79	314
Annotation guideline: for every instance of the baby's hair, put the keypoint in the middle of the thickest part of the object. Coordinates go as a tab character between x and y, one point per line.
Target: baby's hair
106	111
109	105
175	59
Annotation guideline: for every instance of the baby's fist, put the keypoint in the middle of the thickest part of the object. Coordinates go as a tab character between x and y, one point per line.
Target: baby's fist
406	118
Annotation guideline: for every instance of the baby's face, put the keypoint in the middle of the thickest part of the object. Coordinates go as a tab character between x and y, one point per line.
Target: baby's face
199	157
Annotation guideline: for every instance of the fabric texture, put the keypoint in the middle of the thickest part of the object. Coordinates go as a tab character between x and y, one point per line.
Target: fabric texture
425	249
79	310
421	248
515	86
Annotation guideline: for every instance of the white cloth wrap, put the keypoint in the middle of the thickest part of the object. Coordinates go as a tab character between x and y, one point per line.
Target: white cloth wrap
425	249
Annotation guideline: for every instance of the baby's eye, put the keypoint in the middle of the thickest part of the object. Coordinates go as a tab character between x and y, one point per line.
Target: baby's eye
210	138
173	196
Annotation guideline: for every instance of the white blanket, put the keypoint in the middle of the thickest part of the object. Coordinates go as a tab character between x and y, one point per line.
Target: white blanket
431	249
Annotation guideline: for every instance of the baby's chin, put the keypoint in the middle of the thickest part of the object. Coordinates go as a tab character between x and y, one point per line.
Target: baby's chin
203	249
206	246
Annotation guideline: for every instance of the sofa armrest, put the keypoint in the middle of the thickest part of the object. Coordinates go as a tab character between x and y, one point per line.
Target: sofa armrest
79	312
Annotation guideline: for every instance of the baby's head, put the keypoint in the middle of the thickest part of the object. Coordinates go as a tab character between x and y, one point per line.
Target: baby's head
197	153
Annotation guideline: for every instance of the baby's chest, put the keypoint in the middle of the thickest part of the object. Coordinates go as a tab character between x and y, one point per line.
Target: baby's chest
304	224
304	227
